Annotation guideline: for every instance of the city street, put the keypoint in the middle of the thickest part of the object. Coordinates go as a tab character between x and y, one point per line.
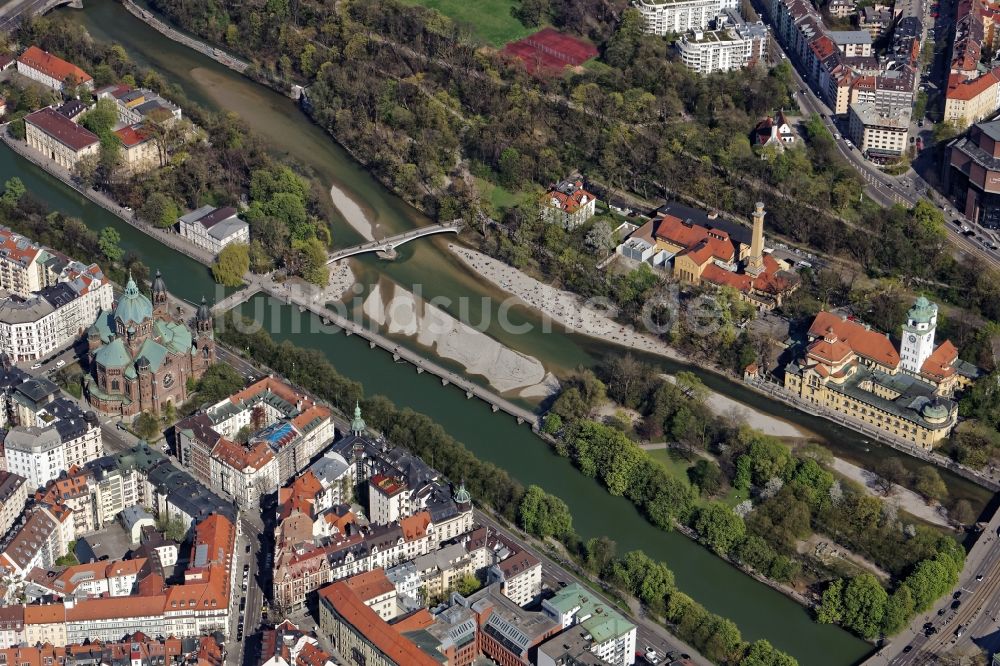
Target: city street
979	604
884	189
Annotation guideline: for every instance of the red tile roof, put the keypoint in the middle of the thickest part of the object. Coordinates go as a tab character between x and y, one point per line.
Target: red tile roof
861	339
968	89
48	64
299	495
62	129
387	639
415	526
370	584
938	365
131	136
570	202
241	457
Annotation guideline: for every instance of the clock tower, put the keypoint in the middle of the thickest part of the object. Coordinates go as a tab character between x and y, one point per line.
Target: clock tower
918	335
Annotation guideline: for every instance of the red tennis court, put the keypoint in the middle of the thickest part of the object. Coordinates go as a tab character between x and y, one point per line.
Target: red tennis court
549	51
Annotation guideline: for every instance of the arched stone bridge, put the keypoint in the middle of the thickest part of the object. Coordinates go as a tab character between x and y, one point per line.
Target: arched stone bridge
387	246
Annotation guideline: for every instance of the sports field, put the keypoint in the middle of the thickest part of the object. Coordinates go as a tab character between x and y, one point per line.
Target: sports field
489	20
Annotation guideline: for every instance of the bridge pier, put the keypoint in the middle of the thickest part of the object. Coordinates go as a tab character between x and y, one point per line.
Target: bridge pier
519	420
444	382
395	357
349	333
495	408
468	395
420	370
372	344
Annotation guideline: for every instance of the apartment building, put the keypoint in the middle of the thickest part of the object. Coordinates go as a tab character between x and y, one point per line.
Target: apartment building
37	543
612	637
13	497
53	317
969	100
52	433
732	44
663	17
47	69
59	139
879	136
119	578
284	430
287	645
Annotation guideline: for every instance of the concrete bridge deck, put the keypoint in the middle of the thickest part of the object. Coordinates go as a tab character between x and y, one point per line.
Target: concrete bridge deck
389	245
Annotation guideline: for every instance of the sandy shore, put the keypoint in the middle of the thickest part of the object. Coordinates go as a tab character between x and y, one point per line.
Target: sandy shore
770	425
352	212
341	279
908	500
504	368
561	306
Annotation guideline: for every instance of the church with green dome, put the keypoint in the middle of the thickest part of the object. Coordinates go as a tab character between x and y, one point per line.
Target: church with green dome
141	357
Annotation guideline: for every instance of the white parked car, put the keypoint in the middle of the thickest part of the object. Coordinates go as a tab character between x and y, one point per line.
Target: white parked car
36	366
60	363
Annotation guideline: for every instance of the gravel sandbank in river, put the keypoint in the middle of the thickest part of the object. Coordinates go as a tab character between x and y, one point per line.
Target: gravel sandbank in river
908	500
771	425
352	212
504	368
563	307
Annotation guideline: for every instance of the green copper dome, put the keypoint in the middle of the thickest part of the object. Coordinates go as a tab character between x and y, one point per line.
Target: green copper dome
357	423
934	411
133	307
922	311
462	496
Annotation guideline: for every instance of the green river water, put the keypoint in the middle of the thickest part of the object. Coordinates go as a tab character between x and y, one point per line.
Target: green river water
758	611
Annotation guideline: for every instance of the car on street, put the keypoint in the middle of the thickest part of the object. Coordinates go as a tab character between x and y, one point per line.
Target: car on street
959	631
248	549
980	576
908	648
955	604
36	366
958	593
60	363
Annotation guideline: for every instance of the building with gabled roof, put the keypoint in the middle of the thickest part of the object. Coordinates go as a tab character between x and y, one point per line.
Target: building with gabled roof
58	138
849	368
697	249
358	630
287	645
47	69
568	204
214	228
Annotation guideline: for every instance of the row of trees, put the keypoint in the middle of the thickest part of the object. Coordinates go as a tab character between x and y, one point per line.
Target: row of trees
790	494
862	605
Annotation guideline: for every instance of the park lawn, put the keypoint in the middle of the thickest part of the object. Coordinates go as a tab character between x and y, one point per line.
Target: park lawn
677	467
489	20
499	197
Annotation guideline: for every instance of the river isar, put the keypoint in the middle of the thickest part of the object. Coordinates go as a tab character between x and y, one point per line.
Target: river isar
759	611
